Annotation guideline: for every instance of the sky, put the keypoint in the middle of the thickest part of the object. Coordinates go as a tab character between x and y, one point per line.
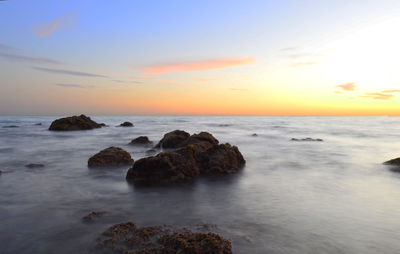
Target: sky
225	57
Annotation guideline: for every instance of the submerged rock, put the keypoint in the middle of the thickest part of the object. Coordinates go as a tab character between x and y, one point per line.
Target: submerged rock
173	139
129	238
142	140
91	216
38	124
11	126
126	124
394	163
199	154
74	123
254	135
34	165
110	157
306	139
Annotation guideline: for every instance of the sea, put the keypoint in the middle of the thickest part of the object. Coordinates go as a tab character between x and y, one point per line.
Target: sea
330	196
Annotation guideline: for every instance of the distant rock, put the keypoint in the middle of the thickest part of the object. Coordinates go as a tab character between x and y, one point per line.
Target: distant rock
74	123
126	124
142	140
11	126
129	238
173	139
1	172
394	163
254	135
307	139
198	154
91	216
38	124
110	157
35	165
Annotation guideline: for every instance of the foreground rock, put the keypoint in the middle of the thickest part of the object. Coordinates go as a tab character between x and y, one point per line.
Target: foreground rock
93	215
173	139
110	157
307	139
126	124
394	163
129	238
199	154
142	140
74	123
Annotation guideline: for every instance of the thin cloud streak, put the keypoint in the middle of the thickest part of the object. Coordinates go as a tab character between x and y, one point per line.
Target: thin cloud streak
198	66
73	86
47	28
28	59
68	72
378	96
347	87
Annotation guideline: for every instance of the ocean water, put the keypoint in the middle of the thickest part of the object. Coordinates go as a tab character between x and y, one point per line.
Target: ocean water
333	196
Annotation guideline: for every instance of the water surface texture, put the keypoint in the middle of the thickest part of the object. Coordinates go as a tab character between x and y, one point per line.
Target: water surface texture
333	196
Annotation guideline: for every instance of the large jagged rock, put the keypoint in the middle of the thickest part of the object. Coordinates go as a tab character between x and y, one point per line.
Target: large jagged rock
129	238
74	123
173	139
199	154
394	164
110	157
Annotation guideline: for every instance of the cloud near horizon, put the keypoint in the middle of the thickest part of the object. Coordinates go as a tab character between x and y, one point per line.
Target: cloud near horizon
351	86
73	86
384	95
68	72
11	53
48	27
198	65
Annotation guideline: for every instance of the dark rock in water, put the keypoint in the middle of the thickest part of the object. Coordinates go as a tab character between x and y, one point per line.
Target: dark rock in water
306	139
254	135
224	158
173	139
102	124
11	126
200	154
224	125
142	140
38	124
74	123
126	124
34	165
173	166
91	216
129	238
1	172
110	157
394	163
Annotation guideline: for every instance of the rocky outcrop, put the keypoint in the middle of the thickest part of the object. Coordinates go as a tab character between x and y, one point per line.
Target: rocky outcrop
129	238
198	154
142	140
74	123
126	124
110	157
394	164
307	139
173	139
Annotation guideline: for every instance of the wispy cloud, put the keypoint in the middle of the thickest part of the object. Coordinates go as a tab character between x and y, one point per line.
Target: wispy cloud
198	66
69	72
73	86
351	86
125	81
378	96
13	54
48	27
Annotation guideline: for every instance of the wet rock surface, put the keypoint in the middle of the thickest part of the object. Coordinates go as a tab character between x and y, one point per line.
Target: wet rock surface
198	154
110	157
74	123
173	139
34	165
126	124
93	215
307	139
129	238
142	140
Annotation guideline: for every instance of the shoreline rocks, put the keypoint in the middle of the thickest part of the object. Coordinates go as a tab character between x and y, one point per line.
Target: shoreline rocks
129	238
110	157
74	123
198	154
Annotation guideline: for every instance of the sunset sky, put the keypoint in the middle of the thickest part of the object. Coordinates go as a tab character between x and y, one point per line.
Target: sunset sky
61	57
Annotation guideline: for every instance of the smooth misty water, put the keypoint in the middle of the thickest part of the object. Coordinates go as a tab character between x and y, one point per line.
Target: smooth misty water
292	197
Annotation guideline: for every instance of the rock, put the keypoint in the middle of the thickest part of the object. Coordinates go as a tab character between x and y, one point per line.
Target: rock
126	124
394	163
74	123
1	172
173	139
34	165
129	238
306	139
103	125
142	140
167	167
110	157
91	216
200	154
11	126
220	159
254	135
38	124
